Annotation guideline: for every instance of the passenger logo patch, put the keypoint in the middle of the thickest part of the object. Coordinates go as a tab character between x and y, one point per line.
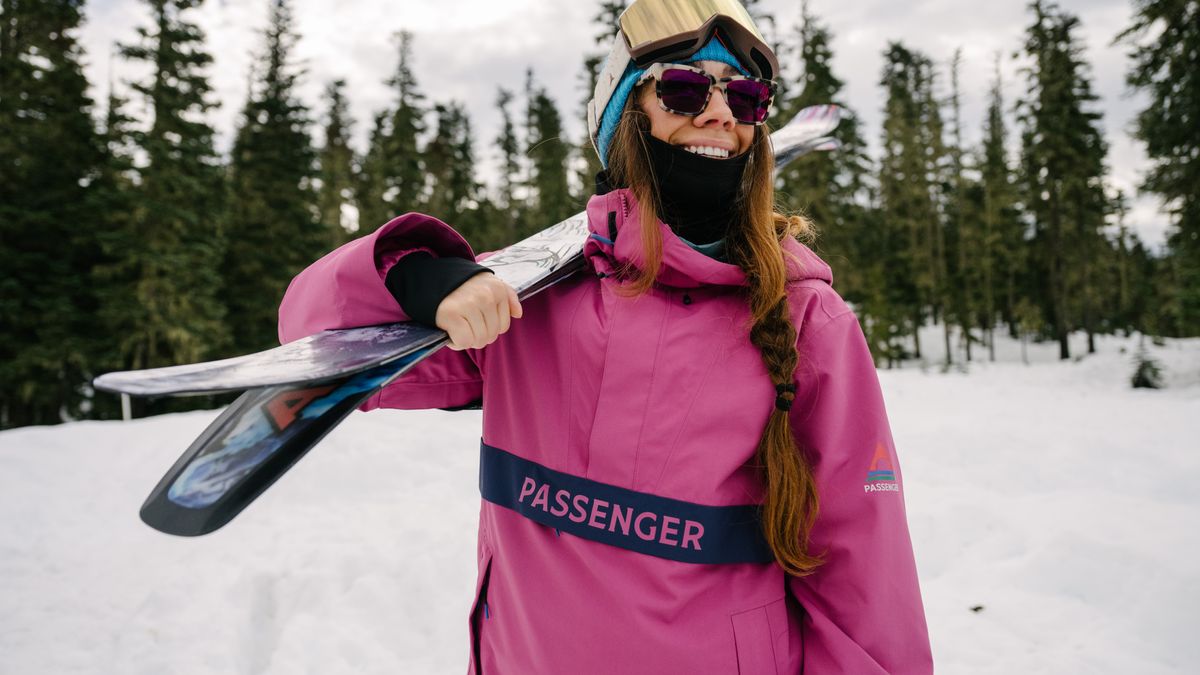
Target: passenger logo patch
881	475
637	521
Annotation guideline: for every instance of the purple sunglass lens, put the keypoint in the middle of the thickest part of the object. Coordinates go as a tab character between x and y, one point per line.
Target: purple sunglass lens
684	91
748	100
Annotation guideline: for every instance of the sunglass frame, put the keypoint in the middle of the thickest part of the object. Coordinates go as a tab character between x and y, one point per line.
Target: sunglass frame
657	69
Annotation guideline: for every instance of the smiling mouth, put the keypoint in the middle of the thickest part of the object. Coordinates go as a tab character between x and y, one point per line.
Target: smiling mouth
707	151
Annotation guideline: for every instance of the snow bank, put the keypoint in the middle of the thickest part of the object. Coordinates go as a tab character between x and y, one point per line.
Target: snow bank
1050	505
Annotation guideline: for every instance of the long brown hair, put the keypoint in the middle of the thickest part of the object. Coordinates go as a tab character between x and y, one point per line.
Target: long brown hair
790	505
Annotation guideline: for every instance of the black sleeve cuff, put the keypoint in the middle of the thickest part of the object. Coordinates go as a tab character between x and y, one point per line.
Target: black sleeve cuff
420	282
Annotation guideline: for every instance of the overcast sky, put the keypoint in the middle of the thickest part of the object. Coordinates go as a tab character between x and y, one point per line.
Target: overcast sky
465	49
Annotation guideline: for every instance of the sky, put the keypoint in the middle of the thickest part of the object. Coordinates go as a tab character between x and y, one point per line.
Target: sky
465	49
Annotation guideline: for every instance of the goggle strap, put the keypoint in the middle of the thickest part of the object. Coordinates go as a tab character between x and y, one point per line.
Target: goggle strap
684	47
606	83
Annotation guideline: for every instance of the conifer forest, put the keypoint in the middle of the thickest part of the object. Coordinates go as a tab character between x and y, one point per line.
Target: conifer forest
127	240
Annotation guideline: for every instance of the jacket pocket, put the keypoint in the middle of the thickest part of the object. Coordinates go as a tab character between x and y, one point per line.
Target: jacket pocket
479	611
761	639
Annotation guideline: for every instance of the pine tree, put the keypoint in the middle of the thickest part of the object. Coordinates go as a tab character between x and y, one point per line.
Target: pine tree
273	230
529	188
965	250
806	184
402	166
1063	154
509	206
1147	373
450	161
371	183
1148	293
1164	43
336	198
1125	310
51	157
908	182
172	250
116	190
1003	237
937	167
550	199
830	188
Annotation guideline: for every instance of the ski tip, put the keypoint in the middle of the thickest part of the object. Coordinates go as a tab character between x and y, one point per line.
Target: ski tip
174	520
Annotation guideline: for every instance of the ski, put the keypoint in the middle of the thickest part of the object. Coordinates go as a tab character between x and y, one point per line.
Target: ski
528	266
807	132
269	428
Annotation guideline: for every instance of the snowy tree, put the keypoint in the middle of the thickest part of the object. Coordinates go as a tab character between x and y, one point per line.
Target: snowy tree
273	225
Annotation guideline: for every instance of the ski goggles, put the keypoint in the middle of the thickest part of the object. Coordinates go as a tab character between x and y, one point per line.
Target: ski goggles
686	90
668	30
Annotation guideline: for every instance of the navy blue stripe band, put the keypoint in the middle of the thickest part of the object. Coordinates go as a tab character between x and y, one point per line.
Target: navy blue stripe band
637	521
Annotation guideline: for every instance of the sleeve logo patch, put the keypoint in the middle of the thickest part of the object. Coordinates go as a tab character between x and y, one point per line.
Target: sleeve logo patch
881	475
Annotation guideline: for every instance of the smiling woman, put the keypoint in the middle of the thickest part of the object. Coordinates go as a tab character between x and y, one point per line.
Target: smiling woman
675	445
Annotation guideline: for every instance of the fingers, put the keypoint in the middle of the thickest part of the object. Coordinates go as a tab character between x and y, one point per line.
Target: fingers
478	312
514	303
460	333
500	311
477	317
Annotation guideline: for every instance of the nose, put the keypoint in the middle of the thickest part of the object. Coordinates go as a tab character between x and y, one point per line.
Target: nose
716	113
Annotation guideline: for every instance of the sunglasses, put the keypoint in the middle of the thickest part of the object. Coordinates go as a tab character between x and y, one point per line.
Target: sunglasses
686	90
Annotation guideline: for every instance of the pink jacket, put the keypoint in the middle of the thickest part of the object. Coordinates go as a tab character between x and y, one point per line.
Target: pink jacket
661	398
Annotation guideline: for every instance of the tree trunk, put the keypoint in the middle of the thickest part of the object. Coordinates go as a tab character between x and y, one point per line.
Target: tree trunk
916	333
946	334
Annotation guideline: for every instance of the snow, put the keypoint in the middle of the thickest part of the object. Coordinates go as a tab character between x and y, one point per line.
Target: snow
1053	496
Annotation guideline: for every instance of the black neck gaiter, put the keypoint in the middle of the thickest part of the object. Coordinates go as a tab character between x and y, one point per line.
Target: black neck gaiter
699	194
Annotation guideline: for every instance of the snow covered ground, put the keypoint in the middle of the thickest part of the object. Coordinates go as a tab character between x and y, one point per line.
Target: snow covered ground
1052	510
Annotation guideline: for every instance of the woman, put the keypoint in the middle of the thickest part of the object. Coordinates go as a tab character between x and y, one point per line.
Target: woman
686	465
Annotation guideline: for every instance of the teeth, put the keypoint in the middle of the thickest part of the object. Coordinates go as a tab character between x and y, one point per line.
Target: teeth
707	151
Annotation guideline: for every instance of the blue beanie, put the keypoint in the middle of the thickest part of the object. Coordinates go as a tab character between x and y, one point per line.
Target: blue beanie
712	51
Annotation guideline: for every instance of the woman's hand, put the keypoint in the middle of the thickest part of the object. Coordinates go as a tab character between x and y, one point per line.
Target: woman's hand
477	312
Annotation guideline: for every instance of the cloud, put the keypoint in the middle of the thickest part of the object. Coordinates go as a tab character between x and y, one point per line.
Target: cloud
465	49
